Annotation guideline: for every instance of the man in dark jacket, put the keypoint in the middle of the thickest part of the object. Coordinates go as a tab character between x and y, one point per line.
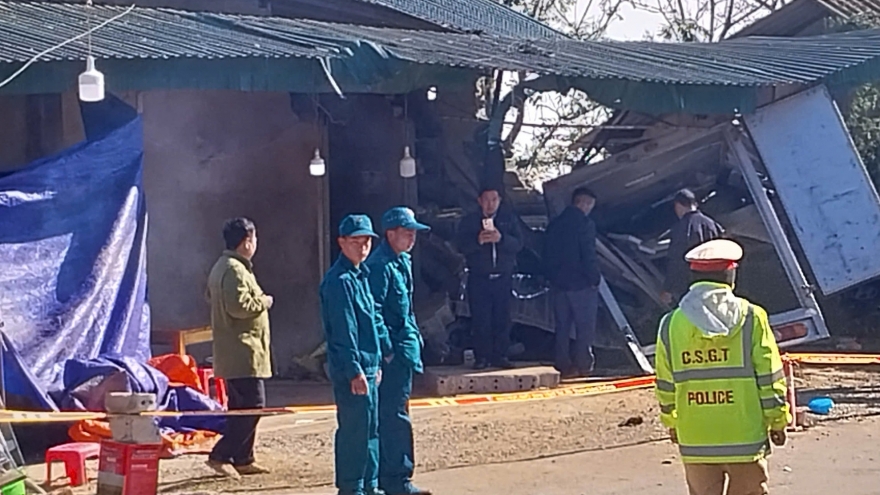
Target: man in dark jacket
693	228
573	272
490	240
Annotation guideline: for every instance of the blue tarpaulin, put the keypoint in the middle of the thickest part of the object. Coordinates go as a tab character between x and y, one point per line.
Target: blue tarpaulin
73	257
87	381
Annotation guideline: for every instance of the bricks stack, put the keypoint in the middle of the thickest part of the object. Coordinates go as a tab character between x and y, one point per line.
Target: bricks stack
129	464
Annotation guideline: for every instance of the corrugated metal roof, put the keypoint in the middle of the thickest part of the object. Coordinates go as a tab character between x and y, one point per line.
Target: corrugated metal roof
29	28
487	16
849	8
641	76
790	20
743	62
794	18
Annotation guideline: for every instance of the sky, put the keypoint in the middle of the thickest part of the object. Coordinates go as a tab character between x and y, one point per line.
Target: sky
633	25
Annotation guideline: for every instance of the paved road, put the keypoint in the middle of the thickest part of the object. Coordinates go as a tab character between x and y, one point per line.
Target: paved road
843	458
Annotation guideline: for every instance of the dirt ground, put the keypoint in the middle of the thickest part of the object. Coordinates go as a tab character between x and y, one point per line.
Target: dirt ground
299	448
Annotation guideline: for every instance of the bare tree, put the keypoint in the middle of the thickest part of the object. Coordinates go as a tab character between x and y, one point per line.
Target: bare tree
541	146
706	20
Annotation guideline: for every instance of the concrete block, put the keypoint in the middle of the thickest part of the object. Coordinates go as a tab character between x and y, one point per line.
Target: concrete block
129	403
456	380
134	429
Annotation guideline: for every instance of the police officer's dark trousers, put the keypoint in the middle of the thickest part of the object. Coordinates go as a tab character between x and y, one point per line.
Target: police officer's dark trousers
357	437
489	301
236	446
395	428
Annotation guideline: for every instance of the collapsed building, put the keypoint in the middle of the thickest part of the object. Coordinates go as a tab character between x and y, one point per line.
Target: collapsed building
785	181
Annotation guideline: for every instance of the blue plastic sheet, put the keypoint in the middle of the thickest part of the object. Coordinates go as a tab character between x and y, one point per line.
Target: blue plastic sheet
73	257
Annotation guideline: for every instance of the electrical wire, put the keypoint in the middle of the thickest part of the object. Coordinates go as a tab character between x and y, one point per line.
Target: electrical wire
49	50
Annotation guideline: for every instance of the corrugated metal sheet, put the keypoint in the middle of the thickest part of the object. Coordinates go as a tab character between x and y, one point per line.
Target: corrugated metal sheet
790	20
29	28
849	8
26	28
272	53
796	17
743	62
486	16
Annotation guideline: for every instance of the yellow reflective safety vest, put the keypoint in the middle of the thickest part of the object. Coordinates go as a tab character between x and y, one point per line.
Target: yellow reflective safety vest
722	394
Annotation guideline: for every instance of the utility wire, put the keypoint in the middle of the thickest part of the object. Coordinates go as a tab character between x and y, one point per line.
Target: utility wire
49	50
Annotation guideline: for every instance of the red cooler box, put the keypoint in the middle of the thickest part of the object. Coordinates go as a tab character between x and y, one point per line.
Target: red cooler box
128	469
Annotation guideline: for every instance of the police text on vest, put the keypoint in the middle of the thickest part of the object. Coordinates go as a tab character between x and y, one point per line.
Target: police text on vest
707	398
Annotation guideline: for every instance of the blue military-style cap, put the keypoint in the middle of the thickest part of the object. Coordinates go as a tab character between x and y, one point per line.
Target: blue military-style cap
401	216
356	225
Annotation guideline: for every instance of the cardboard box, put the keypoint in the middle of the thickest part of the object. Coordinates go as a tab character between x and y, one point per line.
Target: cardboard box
128	469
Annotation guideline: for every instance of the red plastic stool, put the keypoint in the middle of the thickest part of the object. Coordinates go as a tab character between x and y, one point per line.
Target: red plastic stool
205	377
74	456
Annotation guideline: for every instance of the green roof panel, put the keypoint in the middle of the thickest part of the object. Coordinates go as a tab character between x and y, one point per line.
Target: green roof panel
162	48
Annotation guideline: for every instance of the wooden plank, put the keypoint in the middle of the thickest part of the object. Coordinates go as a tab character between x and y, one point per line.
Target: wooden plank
650	285
179	339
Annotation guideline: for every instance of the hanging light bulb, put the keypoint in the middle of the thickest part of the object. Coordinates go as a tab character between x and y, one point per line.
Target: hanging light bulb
317	167
432	93
407	165
91	82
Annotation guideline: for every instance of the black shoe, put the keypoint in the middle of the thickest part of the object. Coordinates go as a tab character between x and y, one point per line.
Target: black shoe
481	364
504	364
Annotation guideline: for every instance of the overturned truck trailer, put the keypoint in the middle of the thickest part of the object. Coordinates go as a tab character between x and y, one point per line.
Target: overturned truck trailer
785	181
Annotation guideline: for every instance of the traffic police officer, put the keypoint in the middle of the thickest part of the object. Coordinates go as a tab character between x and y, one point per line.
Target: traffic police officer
391	282
354	356
720	382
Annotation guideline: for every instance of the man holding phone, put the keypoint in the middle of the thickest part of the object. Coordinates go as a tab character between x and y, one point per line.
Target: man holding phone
490	240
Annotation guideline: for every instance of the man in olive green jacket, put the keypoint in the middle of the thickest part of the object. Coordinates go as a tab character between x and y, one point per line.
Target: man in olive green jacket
240	322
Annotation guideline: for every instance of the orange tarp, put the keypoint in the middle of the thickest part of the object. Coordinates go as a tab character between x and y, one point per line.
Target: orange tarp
173	444
180	370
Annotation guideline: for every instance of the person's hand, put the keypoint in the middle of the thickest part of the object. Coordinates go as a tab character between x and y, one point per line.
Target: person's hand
359	385
378	376
778	437
494	236
270	301
673	435
484	237
666	298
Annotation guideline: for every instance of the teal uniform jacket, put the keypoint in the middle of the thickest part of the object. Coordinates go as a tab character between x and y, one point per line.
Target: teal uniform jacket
353	334
391	283
351	325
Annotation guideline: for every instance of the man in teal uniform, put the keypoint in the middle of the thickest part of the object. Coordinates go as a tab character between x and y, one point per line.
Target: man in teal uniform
391	282
354	355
